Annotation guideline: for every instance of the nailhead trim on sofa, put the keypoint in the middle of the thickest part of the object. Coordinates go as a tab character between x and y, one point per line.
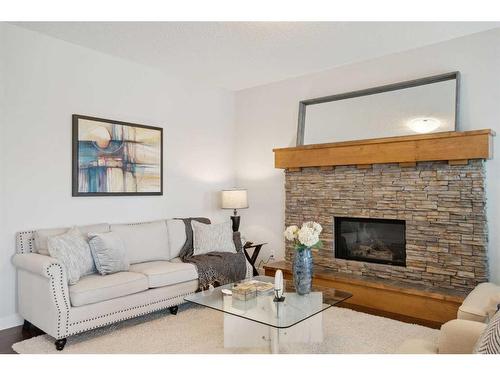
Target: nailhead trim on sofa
67	326
130	308
25	242
176	298
54	294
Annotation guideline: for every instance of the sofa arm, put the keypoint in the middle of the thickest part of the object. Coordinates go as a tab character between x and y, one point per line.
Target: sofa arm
43	294
37	264
481	303
459	336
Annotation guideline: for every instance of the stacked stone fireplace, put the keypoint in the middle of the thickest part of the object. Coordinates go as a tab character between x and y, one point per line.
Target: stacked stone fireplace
442	209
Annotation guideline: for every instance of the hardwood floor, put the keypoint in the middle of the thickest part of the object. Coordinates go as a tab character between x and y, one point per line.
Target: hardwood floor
15	334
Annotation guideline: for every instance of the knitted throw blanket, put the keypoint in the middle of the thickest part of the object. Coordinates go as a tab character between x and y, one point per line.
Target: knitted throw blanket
218	268
215	268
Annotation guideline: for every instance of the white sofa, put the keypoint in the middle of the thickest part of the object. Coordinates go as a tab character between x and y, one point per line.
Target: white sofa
157	279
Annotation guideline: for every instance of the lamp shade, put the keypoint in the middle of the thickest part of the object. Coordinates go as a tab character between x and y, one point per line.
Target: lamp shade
234	198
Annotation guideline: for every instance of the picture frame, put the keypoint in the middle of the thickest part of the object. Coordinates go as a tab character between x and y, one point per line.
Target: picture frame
115	158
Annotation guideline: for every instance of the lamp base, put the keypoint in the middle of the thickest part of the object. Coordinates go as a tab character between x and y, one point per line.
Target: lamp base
236	223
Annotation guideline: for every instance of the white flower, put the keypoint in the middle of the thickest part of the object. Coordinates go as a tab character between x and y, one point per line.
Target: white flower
316	227
308	236
291	232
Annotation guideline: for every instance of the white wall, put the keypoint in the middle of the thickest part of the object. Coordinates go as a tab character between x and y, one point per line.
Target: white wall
266	117
47	80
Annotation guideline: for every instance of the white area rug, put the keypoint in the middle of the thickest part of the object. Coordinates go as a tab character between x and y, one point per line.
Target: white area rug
200	330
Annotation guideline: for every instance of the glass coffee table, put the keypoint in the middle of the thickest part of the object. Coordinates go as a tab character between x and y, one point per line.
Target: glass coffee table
262	322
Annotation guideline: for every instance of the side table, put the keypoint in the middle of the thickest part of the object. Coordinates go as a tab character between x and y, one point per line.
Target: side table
253	258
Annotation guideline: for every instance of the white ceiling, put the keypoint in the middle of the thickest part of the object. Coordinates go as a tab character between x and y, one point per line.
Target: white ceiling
238	55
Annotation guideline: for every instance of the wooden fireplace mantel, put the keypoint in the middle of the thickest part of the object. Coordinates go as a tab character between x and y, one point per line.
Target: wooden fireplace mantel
455	147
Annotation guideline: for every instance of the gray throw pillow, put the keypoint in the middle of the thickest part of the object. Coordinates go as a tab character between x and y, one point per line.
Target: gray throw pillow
108	252
73	251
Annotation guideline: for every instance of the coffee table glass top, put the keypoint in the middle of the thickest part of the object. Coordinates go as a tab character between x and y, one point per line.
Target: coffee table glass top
294	309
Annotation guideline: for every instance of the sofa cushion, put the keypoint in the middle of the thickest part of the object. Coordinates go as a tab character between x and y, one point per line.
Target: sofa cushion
96	288
163	273
42	235
176	236
144	242
481	303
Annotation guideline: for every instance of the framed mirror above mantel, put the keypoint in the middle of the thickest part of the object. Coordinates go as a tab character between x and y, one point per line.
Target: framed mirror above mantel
419	106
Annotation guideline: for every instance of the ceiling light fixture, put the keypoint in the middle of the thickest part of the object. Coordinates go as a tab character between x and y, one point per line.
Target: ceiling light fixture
424	124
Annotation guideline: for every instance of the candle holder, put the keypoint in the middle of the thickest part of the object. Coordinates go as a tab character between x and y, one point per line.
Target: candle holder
278	287
278	296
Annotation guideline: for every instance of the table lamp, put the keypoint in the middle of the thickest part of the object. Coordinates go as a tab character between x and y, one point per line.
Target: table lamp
234	199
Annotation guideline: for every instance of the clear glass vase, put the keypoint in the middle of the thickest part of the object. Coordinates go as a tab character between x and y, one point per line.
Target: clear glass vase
302	271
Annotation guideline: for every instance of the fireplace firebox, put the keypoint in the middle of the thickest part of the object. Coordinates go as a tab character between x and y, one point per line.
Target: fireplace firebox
370	240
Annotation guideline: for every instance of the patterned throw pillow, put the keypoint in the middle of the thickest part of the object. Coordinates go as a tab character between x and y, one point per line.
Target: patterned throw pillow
212	237
108	252
489	342
73	251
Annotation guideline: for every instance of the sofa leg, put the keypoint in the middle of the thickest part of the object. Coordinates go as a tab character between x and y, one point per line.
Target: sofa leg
173	310
60	344
26	325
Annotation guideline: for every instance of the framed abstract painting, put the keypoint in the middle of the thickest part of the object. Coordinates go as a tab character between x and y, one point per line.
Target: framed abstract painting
116	158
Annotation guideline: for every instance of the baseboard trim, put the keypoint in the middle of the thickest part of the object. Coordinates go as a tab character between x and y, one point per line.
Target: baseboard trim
10	321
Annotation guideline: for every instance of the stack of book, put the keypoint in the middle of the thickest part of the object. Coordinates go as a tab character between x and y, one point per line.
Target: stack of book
250	289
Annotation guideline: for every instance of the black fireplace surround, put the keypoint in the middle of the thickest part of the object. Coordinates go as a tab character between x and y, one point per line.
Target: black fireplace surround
370	240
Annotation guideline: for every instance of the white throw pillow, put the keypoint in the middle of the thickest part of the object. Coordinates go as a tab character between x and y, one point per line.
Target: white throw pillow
73	251
144	242
212	237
